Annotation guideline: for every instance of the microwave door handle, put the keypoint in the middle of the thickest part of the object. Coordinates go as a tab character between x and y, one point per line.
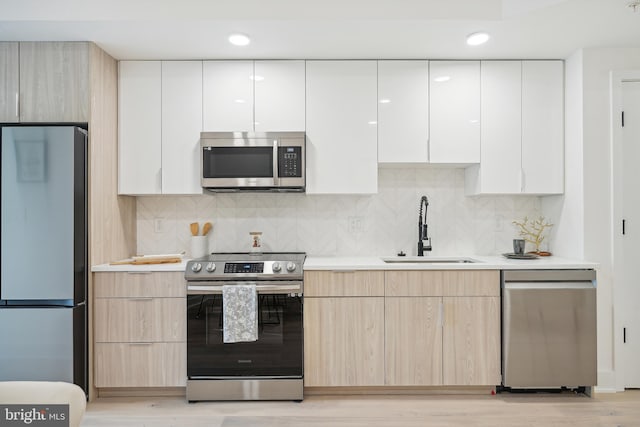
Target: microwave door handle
276	179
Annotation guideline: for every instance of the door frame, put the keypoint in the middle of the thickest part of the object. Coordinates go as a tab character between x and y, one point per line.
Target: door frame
617	153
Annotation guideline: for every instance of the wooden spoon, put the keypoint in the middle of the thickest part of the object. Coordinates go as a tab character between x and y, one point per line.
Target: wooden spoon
194	228
207	227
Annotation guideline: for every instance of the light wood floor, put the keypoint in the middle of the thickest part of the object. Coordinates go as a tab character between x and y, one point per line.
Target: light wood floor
523	410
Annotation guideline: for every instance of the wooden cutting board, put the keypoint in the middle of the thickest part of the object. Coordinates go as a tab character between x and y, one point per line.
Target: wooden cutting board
146	260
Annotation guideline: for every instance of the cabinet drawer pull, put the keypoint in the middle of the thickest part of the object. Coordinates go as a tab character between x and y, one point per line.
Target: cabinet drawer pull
140	343
17	105
139	272
343	271
141	299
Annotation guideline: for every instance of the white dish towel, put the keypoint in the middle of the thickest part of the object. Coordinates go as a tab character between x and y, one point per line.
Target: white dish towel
240	308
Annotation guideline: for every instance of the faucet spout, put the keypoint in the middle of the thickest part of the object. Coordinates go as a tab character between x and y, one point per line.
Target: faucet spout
424	241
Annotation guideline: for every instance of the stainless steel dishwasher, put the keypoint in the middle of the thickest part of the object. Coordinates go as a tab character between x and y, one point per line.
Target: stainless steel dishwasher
549	329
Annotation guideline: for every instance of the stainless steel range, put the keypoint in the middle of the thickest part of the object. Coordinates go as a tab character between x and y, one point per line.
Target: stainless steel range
269	368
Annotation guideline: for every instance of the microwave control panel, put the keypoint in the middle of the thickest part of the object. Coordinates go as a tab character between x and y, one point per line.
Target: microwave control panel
289	162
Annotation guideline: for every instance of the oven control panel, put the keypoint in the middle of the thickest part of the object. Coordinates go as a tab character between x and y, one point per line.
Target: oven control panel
244	267
206	269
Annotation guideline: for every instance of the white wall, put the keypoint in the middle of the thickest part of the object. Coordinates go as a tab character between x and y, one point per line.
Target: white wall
595	202
320	225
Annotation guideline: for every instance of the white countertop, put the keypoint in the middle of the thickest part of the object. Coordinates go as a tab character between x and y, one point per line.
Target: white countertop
483	263
376	263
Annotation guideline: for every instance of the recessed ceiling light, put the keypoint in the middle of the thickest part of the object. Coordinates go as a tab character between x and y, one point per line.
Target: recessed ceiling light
441	79
476	39
256	78
384	101
372	122
239	101
239	39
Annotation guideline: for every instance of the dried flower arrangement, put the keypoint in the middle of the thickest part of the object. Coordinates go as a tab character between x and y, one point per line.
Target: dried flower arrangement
532	231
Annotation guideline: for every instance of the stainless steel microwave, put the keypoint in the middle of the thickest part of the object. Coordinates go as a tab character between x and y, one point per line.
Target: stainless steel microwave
245	161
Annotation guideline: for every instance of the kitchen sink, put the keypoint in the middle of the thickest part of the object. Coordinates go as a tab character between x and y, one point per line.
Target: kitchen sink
429	260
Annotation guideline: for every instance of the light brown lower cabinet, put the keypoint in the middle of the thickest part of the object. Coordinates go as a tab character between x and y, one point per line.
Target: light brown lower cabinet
471	341
402	328
140	329
140	364
413	341
343	328
344	341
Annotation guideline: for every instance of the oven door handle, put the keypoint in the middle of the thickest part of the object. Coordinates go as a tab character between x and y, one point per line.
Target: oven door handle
262	288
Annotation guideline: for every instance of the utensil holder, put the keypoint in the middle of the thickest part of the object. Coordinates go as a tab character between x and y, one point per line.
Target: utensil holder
199	246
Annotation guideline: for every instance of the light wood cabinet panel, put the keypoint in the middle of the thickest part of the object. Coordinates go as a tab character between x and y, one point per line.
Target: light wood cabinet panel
139	324
403	111
279	96
413	341
141	365
154	284
344	341
471	341
413	283
181	126
54	82
140	320
341	108
342	284
9	81
139	127
454	111
442	282
227	90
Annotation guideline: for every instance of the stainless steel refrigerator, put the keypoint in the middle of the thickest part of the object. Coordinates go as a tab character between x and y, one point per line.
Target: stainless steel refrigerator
43	311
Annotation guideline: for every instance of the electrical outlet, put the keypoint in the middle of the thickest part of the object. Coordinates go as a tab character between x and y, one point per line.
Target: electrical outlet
158	225
356	224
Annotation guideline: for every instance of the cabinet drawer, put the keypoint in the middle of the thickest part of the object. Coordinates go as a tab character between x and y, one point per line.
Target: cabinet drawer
140	319
442	283
140	284
343	283
141	365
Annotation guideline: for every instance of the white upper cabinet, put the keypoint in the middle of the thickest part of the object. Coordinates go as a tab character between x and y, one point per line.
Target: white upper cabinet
500	162
227	96
181	126
454	112
341	108
522	136
403	111
279	96
543	127
139	127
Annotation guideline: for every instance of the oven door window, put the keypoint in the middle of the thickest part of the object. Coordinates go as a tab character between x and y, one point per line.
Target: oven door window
237	162
276	353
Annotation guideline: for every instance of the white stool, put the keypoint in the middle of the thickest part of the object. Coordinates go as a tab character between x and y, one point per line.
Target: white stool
43	393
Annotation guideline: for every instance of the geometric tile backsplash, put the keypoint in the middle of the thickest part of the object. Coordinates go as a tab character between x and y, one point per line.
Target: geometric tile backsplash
381	224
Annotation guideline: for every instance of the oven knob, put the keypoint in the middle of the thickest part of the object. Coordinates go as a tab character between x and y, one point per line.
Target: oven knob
211	267
276	266
196	267
291	266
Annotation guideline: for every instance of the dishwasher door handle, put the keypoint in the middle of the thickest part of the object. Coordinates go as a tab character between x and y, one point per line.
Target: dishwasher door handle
549	285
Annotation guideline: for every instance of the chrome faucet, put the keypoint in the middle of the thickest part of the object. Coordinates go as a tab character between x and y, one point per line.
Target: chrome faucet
423	236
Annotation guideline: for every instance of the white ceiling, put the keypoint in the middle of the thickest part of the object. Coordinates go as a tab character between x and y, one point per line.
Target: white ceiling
280	29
